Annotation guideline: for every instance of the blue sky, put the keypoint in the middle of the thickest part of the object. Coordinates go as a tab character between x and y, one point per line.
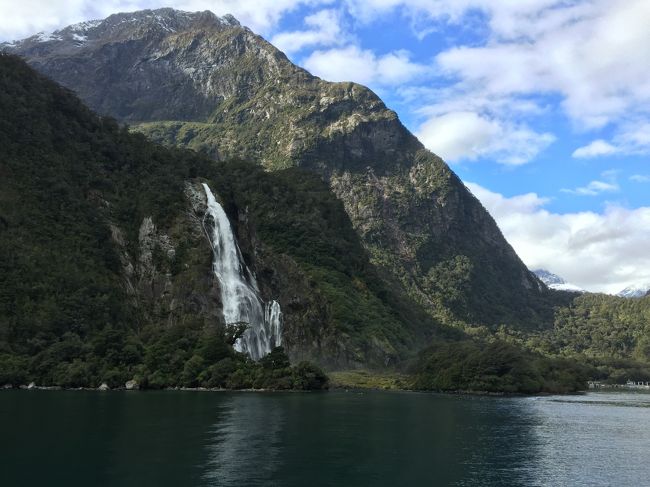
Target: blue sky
550	168
541	106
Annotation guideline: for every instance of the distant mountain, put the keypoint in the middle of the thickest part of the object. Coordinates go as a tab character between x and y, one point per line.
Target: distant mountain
203	82
556	282
635	291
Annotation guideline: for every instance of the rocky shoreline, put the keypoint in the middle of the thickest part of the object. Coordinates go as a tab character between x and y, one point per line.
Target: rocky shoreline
104	387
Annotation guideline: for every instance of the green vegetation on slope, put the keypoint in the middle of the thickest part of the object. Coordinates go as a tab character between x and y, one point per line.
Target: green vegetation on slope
66	318
295	214
609	332
609	335
602	326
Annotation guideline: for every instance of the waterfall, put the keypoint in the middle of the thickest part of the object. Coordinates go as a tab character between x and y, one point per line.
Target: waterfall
239	292
273	317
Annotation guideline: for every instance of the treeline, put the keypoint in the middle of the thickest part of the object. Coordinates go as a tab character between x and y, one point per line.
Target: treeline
159	358
495	366
610	333
595	337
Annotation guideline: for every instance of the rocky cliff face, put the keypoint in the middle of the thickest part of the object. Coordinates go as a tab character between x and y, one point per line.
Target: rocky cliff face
198	81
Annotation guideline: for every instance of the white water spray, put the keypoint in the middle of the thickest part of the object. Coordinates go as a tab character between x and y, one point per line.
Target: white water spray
273	318
239	291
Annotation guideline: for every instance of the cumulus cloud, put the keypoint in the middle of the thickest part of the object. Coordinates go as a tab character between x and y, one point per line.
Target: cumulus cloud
594	149
603	252
553	52
631	138
597	187
24	18
352	63
594	188
324	29
466	135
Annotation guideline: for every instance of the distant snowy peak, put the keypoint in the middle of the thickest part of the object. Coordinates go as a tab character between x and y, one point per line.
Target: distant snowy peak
556	282
635	291
133	25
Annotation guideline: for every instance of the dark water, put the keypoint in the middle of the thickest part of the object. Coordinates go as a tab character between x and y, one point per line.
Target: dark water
52	438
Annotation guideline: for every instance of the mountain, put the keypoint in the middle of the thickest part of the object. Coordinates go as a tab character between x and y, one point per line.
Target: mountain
554	281
198	81
635	291
108	258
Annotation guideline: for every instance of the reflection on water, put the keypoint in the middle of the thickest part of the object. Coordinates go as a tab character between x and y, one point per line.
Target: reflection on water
244	446
498	443
322	439
378	439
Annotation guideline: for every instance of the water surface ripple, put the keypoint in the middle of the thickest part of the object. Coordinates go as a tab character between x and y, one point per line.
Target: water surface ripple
322	439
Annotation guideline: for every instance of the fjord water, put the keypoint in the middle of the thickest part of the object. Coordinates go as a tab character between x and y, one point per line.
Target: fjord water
174	438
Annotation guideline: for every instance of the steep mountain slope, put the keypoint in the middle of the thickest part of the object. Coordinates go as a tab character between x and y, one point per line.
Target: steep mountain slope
107	272
195	80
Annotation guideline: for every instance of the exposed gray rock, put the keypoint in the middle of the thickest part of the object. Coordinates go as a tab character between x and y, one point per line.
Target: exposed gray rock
132	385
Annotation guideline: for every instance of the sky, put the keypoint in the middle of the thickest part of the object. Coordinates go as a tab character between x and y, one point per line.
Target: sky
542	107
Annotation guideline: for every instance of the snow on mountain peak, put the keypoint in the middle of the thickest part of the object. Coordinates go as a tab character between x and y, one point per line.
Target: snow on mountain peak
554	281
635	291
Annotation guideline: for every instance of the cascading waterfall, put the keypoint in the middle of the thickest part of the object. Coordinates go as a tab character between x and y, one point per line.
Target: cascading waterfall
239	292
273	318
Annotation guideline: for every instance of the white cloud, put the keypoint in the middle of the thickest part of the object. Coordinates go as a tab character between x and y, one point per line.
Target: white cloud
602	252
465	135
640	178
324	30
352	63
594	188
631	138
559	56
634	137
25	18
594	149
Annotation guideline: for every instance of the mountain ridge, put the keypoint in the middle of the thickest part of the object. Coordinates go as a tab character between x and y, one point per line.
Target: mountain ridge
224	91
